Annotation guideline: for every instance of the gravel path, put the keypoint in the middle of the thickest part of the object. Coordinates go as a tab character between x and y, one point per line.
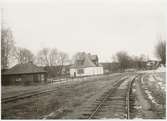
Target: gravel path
145	105
150	98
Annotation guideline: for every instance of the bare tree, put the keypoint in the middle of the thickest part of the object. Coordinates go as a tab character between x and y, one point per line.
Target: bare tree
53	60
161	51
124	59
43	57
53	57
47	57
114	58
23	55
77	56
7	45
138	61
62	59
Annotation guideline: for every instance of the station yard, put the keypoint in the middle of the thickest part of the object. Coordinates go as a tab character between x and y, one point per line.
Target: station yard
70	97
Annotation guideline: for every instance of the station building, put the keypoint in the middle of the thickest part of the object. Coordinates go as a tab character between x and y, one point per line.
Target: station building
27	73
88	65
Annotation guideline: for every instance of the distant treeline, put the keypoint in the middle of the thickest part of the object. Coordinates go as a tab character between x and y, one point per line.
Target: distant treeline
52	57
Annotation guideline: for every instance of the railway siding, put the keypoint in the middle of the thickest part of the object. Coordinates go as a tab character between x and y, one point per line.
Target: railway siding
60	103
116	105
112	104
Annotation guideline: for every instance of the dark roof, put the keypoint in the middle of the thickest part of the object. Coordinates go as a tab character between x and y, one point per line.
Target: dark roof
86	62
153	61
27	68
93	57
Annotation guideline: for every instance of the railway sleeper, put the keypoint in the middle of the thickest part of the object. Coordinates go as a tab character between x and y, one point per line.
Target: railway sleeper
101	115
115	98
115	109
114	106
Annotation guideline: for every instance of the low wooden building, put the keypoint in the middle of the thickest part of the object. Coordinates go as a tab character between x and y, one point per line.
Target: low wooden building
24	74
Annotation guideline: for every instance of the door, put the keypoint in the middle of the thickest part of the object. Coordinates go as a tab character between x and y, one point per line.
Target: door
74	74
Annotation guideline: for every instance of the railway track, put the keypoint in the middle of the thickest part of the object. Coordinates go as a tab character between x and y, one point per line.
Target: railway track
115	103
29	94
26	95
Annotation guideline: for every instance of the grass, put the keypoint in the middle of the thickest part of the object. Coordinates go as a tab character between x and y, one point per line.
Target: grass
67	97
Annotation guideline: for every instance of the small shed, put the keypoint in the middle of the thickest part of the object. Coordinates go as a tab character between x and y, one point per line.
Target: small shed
27	73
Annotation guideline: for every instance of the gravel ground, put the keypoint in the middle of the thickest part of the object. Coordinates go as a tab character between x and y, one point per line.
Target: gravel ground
61	103
156	94
150	95
142	102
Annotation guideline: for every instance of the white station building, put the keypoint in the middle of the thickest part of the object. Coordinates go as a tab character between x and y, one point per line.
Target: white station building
88	65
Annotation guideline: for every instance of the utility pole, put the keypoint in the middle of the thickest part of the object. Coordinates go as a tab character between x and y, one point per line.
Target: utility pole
2	21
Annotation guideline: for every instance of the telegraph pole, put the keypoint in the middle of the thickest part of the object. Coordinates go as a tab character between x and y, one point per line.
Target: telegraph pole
2	19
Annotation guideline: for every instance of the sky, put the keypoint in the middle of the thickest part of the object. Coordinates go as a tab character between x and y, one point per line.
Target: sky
101	27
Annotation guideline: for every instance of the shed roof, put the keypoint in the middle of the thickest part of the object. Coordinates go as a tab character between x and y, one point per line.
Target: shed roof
27	68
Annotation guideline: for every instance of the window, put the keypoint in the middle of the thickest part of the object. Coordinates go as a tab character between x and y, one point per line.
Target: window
18	79
42	77
80	71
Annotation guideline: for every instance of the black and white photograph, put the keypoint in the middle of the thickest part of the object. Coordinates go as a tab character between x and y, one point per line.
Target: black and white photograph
83	59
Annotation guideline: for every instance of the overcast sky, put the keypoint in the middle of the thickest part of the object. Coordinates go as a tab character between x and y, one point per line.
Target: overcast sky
101	27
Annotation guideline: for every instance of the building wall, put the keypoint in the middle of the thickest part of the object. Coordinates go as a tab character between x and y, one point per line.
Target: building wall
17	79
39	78
27	79
24	79
86	71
